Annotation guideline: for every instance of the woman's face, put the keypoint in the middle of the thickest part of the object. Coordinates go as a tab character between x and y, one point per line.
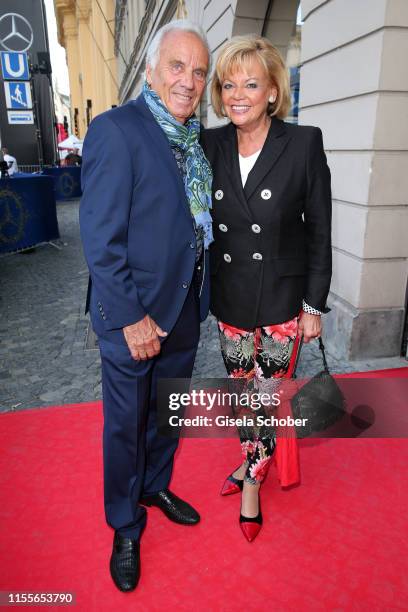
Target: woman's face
245	94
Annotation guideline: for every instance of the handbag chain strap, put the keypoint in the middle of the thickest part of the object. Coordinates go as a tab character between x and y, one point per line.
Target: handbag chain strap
321	347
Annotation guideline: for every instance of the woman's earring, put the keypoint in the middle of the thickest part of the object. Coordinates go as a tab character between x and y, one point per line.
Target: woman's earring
272	100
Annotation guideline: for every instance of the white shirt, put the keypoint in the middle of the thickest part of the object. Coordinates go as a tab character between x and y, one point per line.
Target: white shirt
11	160
246	164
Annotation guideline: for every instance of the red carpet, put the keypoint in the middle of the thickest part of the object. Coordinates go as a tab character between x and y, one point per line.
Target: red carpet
390	373
337	542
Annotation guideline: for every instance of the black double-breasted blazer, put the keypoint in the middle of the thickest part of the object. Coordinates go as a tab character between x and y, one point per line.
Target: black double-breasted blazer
272	246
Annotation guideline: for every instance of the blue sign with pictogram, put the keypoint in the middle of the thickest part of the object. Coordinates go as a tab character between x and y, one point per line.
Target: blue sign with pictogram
18	95
14	66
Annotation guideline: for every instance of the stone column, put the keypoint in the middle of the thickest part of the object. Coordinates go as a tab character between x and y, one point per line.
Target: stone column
87	57
68	38
354	85
110	81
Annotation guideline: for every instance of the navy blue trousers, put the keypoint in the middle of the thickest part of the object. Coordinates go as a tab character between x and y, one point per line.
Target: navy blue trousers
137	461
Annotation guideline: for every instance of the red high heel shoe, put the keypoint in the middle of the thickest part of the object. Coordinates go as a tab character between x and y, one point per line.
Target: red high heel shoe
232	485
251	526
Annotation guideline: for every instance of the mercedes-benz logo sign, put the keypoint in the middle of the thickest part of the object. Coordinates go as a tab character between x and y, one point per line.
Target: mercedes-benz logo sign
13	217
66	184
16	33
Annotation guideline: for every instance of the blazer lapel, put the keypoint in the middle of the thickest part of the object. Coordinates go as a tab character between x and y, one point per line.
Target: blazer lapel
229	150
273	148
162	144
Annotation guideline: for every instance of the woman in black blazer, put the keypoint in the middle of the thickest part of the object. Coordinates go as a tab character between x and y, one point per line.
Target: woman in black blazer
271	258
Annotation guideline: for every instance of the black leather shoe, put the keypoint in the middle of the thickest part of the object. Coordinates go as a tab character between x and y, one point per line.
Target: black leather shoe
125	563
173	507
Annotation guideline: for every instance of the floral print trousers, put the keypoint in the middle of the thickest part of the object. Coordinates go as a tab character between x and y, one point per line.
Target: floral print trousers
261	356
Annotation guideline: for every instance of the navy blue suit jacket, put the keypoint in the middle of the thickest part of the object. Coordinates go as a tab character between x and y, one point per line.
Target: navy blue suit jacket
136	226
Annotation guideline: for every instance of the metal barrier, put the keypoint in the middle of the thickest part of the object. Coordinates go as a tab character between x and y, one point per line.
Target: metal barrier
29	168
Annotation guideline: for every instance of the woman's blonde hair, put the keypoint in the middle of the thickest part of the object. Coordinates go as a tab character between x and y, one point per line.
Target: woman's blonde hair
236	54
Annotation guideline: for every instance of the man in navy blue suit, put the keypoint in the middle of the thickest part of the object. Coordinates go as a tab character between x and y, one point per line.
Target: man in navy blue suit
146	228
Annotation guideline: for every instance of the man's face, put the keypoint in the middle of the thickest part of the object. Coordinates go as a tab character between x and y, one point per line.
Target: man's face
180	74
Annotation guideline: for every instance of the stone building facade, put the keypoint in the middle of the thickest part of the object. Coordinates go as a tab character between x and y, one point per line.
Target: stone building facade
354	85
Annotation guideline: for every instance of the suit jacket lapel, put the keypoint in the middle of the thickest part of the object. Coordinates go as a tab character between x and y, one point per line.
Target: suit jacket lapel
229	151
160	139
273	148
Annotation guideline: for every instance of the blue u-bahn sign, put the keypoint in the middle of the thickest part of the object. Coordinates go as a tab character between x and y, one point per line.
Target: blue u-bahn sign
14	66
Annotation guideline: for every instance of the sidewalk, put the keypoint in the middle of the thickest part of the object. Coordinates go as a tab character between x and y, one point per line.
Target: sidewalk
44	359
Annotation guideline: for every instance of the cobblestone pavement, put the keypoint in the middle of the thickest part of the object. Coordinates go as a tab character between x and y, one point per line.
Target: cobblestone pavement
43	330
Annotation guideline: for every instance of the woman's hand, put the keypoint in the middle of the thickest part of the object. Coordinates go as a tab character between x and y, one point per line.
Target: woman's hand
310	326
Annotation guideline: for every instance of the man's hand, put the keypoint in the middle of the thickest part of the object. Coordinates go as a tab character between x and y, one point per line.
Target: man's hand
142	338
310	326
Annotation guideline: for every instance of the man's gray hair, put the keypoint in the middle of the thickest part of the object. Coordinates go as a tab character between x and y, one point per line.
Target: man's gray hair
180	25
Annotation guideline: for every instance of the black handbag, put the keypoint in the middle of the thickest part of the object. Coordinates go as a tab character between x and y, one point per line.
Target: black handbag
320	400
